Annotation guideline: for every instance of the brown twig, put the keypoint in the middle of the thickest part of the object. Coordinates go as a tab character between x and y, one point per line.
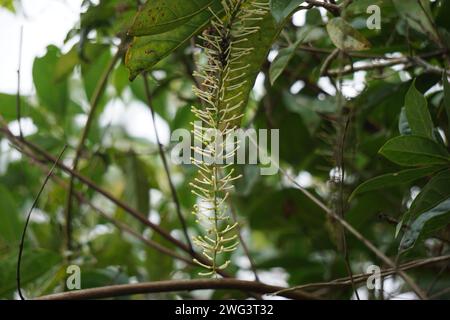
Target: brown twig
176	285
342	127
332	8
416	61
18	98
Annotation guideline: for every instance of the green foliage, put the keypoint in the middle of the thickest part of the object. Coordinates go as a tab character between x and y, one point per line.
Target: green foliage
52	93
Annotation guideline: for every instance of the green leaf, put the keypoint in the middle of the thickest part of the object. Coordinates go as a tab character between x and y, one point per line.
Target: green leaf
446	97
120	79
9	109
417	14
66	63
146	51
280	62
427	223
345	37
414	151
93	71
281	9
10	226
403	125
416	110
52	93
159	16
393	179
434	192
136	184
35	263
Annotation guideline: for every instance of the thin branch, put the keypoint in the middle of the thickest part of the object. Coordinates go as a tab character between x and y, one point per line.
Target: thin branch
22	240
359	278
349	69
440	293
18	98
416	61
363	55
436	278
166	166
429	67
326	64
342	130
95	99
174	286
332	8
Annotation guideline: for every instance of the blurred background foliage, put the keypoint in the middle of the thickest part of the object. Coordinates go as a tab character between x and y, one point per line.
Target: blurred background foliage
327	119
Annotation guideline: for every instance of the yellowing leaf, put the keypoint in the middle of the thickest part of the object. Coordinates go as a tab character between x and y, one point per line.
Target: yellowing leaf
147	51
345	37
159	16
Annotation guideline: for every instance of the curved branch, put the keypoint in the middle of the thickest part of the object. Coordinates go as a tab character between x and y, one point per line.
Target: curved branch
173	286
27	221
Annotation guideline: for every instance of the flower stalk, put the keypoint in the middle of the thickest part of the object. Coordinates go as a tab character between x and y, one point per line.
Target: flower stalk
222	75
